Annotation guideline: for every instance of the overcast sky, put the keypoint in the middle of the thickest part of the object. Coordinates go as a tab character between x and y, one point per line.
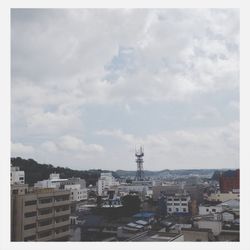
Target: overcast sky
90	85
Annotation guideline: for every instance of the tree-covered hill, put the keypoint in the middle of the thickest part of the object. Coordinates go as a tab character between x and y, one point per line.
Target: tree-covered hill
35	171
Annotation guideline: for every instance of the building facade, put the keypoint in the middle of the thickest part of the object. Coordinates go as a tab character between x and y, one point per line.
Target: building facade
17	176
105	181
76	192
39	214
229	181
178	203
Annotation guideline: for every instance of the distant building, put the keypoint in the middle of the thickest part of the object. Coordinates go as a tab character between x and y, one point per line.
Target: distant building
17	176
105	181
170	189
229	181
54	181
178	203
74	180
39	214
205	209
76	192
223	196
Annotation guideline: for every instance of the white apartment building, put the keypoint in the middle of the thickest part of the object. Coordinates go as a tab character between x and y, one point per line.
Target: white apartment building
177	203
54	181
208	209
105	181
17	176
76	192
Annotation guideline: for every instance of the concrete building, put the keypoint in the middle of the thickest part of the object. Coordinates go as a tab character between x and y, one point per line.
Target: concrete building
76	192
39	214
213	222
54	181
74	180
228	216
223	196
209	209
17	176
178	203
194	234
105	181
229	181
170	189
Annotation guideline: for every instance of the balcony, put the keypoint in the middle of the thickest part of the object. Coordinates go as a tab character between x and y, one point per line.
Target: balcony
62	223
29	232
46	238
47	227
61	203
65	212
45	216
61	234
31	208
45	205
29	220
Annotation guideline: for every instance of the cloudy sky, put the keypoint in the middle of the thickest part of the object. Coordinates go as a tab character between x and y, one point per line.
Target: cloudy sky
89	85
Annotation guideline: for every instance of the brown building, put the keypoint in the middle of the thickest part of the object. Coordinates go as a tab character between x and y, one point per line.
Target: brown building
39	214
229	180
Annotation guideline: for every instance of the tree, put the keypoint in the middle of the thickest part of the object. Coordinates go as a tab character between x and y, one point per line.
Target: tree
131	203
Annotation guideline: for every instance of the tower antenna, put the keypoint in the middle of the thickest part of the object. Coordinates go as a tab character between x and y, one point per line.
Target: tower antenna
139	160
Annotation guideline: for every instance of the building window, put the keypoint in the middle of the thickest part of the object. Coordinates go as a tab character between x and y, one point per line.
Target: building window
184	204
213	210
43	201
44	234
176	204
45	211
30	203
29	226
30	238
184	210
45	223
21	178
170	209
177	209
207	210
29	214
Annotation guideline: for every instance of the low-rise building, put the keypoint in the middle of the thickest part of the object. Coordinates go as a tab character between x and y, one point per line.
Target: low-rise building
197	234
213	222
205	209
222	197
177	203
54	181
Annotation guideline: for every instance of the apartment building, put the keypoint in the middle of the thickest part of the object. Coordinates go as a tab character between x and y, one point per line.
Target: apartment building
178	203
17	176
76	192
39	214
105	181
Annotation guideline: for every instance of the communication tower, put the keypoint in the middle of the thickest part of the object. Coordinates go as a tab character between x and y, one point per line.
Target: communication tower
139	160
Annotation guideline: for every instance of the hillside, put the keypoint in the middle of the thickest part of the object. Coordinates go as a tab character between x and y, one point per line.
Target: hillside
35	171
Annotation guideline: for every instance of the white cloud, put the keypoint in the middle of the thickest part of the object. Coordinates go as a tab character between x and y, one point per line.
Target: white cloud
66	60
207	147
20	149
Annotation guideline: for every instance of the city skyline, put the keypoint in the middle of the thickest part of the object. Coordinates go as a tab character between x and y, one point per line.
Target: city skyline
90	85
